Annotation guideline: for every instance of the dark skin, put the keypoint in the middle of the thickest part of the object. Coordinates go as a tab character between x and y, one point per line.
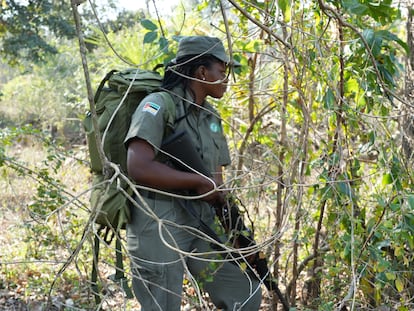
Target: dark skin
143	168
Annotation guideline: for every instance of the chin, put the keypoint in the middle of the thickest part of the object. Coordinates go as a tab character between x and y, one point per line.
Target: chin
218	96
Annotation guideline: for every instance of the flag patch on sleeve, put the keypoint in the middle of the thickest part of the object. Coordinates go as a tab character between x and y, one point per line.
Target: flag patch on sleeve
151	108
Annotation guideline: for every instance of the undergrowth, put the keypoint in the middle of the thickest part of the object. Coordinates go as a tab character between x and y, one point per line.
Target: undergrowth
44	213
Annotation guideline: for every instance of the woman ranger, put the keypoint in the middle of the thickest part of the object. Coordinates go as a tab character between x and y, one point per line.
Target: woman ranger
160	245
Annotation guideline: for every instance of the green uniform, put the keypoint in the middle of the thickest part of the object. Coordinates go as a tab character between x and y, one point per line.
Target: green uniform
157	266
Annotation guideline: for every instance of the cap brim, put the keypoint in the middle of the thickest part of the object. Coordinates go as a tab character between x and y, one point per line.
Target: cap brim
228	62
234	63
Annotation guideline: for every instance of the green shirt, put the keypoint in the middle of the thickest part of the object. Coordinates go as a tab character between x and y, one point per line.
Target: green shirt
203	124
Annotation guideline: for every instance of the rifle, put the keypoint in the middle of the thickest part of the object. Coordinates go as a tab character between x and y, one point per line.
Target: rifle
179	146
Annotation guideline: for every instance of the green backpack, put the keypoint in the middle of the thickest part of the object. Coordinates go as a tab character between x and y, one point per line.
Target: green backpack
128	87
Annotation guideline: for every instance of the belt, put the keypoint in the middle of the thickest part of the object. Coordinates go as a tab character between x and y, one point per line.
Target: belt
154	195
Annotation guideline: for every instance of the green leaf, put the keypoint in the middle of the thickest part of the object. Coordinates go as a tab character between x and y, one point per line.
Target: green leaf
410	199
390	276
387	179
150	37
382	265
345	189
147	24
355	7
383	11
409	221
392	37
329	99
203	5
163	42
373	40
399	285
284	5
351	86
251	46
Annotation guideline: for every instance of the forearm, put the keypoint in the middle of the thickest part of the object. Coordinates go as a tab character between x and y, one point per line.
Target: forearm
160	176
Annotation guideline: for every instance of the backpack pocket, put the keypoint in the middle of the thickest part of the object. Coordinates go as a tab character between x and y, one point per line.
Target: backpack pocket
113	209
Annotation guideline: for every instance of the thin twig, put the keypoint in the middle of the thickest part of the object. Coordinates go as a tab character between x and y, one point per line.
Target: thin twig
260	25
158	18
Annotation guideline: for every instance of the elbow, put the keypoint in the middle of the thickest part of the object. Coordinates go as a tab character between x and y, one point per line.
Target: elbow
134	170
140	156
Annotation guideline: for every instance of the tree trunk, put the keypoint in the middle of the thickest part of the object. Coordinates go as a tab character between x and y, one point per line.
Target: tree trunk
407	109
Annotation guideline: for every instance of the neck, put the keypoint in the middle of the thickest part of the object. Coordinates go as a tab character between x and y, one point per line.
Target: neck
197	92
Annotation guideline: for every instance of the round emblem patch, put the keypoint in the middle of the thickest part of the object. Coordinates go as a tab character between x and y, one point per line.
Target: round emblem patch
214	127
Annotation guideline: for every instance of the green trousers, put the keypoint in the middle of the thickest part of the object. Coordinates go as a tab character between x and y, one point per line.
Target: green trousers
158	265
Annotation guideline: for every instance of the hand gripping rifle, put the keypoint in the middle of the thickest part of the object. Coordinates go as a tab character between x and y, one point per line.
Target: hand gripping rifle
180	147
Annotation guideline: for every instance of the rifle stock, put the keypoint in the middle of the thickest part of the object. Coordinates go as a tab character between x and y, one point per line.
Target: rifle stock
180	146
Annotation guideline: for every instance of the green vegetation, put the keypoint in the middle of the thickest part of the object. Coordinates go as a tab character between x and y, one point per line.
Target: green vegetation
318	120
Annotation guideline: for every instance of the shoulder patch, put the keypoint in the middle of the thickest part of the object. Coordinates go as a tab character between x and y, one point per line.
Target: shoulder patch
151	108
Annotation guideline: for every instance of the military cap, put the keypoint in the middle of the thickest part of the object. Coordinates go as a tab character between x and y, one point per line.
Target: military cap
203	45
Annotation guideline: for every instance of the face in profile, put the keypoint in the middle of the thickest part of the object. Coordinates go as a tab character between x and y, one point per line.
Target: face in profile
217	72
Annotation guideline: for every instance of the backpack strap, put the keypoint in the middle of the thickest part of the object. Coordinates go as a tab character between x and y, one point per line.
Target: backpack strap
119	276
94	273
171	109
102	84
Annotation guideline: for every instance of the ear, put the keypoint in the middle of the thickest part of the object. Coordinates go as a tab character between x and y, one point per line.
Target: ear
201	72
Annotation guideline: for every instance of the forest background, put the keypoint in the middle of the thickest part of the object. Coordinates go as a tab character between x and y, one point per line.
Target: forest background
319	121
